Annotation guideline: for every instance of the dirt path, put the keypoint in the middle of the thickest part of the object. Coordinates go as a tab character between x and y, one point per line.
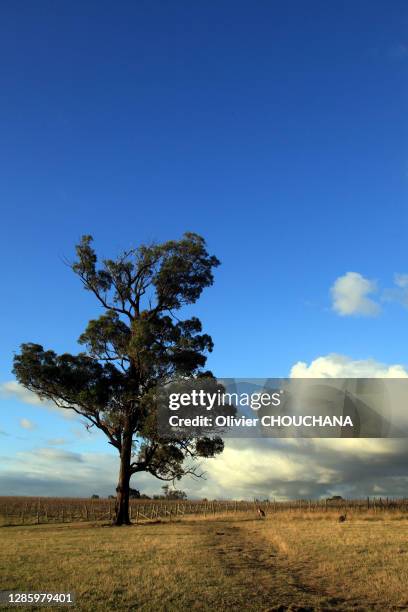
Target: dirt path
270	582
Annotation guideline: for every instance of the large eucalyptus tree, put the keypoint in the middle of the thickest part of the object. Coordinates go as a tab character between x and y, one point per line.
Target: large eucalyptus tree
136	344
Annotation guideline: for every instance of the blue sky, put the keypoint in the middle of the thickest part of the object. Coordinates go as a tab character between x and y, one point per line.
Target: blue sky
276	130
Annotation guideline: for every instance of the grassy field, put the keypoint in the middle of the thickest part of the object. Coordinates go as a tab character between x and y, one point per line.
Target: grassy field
290	561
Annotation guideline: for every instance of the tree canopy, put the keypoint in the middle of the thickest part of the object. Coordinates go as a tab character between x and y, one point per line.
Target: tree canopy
135	345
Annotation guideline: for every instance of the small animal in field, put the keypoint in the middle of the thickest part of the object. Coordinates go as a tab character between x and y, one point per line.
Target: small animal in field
342	517
261	513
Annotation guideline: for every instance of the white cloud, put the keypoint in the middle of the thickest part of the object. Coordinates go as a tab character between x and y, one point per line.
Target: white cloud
56	472
341	366
401	280
249	470
27	424
56	441
349	294
399	293
54	454
12	389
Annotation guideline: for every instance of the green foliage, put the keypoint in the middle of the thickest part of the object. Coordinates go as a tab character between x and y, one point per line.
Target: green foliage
169	493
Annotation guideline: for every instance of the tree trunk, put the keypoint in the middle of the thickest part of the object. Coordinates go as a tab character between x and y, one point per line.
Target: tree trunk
122	490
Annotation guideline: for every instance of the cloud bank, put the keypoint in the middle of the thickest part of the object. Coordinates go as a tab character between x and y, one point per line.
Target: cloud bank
248	468
341	366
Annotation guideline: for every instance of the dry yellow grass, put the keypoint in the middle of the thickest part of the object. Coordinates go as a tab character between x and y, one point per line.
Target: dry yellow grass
289	561
363	561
